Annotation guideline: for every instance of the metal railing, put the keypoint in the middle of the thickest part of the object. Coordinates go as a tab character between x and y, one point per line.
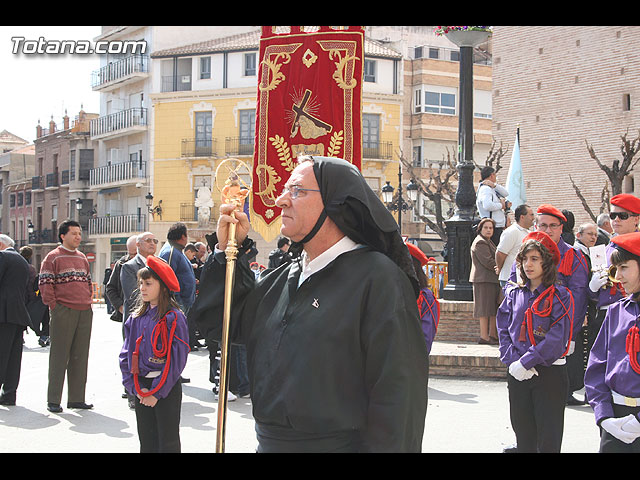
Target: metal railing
176	83
238	146
118	224
198	148
188	212
131	117
117	172
120	69
52	179
37	183
42	236
382	150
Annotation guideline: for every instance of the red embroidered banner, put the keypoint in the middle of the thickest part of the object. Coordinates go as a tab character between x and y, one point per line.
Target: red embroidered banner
309	102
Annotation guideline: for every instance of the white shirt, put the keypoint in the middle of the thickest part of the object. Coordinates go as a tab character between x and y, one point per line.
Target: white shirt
510	242
345	244
489	204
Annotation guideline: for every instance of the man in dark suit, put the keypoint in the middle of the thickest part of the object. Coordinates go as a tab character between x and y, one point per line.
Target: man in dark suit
146	244
14	317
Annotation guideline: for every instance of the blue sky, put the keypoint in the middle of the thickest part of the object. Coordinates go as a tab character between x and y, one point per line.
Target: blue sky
34	87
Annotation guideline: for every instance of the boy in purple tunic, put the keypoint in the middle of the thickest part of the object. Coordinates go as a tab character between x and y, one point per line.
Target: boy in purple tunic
535	324
153	356
612	378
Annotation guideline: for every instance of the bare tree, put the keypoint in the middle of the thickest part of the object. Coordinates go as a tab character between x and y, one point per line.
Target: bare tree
618	171
440	184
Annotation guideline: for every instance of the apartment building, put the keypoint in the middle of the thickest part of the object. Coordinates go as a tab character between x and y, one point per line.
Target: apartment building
16	170
64	156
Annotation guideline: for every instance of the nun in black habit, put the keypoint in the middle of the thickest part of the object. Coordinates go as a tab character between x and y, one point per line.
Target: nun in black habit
337	361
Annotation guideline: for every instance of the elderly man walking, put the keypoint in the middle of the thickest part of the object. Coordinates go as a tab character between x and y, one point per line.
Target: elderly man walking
14	318
65	284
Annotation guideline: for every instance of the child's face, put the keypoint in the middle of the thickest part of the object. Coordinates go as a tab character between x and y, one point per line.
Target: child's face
628	274
532	265
150	290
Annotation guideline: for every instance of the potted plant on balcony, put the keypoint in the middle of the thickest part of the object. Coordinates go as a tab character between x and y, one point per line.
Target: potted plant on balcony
464	36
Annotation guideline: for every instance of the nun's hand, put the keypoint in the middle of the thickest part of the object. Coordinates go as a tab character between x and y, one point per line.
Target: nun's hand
242	225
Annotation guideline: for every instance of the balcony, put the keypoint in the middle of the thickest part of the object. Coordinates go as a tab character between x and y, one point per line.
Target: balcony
176	83
124	122
117	174
52	180
115	75
37	183
377	151
39	237
118	224
234	146
198	148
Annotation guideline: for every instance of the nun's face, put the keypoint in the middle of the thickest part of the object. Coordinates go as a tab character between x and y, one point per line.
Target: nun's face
299	215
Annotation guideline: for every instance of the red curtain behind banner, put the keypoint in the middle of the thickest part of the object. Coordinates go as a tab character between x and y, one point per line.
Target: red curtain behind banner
309	102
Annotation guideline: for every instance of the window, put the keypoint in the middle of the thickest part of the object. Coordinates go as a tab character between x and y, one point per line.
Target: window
205	67
417	156
626	102
203	138
434	53
369	71
482	104
371	135
434	99
247	131
250	64
436	102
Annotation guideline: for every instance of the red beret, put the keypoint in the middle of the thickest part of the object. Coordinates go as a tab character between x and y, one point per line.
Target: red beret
627	201
417	254
546	241
161	268
629	242
547	209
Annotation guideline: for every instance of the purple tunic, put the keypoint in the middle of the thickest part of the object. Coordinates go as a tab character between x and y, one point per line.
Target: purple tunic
134	327
577	282
608	368
429	315
551	333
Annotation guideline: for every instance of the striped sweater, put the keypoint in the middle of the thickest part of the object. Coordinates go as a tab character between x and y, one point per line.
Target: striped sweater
65	278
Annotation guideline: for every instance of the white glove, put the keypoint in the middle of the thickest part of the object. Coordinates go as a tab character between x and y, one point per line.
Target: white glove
572	347
614	427
520	373
598	280
632	425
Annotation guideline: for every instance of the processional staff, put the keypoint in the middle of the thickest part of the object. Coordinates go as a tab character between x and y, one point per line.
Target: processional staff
234	193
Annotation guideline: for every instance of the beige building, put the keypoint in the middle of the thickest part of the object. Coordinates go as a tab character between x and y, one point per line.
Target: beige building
566	86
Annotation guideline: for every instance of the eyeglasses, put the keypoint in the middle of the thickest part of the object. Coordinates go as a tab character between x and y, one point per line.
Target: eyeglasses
295	189
150	240
552	226
622	215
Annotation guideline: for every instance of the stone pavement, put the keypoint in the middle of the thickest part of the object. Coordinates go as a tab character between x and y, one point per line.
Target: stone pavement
465	414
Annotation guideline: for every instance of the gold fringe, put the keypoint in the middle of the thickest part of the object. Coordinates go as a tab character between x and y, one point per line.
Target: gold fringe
258	225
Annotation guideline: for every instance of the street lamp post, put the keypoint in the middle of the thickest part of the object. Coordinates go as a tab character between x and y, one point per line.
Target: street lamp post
459	227
399	205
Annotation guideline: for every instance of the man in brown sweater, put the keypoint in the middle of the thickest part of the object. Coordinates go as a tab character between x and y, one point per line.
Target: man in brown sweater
65	285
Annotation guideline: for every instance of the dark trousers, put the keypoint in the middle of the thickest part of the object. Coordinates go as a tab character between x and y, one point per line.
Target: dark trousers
159	426
609	443
10	359
537	409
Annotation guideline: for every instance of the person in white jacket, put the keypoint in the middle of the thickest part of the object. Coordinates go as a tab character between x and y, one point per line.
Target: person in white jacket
492	202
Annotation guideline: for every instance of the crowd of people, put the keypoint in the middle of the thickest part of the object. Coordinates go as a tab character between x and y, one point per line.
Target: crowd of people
560	323
332	339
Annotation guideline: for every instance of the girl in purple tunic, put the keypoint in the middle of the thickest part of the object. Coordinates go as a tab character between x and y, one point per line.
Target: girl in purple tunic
612	378
535	324
153	356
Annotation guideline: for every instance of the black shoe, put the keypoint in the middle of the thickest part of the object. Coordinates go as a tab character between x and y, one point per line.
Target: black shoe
82	405
510	449
7	401
54	407
184	380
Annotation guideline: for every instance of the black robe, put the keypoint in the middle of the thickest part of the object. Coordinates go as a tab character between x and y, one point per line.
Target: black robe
339	364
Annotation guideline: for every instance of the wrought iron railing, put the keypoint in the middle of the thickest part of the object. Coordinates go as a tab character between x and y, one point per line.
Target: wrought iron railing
131	117
120	69
117	172
118	224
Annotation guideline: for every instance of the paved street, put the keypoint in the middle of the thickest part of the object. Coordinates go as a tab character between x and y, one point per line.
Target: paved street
463	415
